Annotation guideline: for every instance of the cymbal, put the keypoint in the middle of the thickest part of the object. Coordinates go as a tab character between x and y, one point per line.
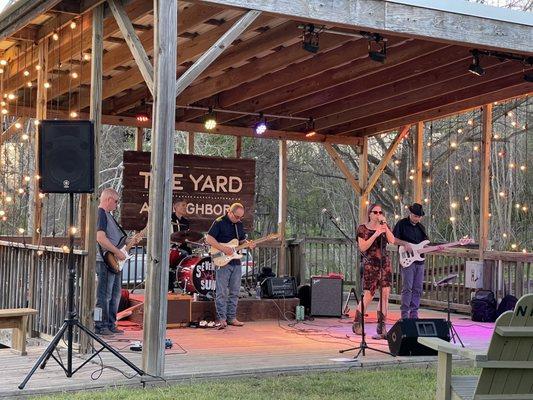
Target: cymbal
182	236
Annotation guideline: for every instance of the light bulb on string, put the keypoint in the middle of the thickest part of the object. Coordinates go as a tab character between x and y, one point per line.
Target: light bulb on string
5	111
74	75
397	162
513	123
453	144
3	62
512	165
73	114
428	180
496	136
73	25
411	177
522	168
501	194
459	130
26	73
27	179
426	200
467	198
453	205
38	67
504	235
55	36
65	248
73	230
476	148
42	195
29	84
412	171
36	122
47	85
509	113
469	160
87	57
394	182
9	199
1	70
11	96
37	177
524	208
457	167
452	219
470	122
514	246
40	252
517	205
25	136
21	230
18	125
2	213
20	191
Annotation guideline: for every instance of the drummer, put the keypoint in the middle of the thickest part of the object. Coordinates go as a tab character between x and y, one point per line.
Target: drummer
179	224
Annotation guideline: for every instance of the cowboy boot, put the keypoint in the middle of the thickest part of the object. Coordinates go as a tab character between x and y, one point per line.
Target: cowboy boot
381	329
357	327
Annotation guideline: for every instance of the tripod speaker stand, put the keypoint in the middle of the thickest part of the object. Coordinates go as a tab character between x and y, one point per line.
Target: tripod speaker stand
72	321
66	164
445	282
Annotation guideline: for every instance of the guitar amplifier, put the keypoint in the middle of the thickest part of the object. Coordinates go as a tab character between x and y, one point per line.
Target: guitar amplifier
275	288
326	296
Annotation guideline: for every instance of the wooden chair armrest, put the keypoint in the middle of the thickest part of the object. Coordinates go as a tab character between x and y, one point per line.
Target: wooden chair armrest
515	331
439	345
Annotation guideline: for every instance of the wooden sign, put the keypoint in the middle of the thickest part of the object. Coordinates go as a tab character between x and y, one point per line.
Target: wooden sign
208	184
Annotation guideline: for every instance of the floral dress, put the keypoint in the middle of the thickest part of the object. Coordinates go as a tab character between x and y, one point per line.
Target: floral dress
376	261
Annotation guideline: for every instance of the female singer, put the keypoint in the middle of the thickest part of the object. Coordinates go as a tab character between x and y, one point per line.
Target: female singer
373	237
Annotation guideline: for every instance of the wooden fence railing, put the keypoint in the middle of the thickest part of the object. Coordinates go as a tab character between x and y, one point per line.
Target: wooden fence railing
31	277
36	277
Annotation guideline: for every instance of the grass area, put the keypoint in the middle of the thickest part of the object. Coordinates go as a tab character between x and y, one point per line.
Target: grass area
397	384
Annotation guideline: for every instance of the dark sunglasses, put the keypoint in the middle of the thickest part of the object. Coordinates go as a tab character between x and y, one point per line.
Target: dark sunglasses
377	212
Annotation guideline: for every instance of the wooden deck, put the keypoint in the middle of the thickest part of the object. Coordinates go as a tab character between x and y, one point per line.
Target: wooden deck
259	348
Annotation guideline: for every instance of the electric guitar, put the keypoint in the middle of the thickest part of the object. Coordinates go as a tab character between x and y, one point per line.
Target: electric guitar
407	258
115	265
220	259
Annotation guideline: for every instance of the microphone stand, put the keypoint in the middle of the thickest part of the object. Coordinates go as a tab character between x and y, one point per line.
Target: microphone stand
349	239
363	346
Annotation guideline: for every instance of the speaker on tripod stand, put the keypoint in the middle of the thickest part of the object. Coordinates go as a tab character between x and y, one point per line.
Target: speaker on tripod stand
66	165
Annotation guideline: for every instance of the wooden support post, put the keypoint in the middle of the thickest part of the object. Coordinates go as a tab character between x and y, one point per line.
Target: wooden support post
486	143
343	167
160	197
419	157
89	272
363	180
133	42
386	158
214	51
42	98
282	207
139	137
238	146
190	143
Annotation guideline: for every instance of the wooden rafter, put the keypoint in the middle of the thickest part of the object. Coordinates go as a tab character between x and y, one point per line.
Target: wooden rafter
343	168
133	42
386	158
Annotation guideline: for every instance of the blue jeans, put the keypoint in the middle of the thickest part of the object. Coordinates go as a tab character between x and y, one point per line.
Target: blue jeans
228	285
107	296
412	283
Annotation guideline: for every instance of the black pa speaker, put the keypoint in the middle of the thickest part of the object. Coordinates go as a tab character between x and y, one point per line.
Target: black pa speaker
66	156
403	336
326	296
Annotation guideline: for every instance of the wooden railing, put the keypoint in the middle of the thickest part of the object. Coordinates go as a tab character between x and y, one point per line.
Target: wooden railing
36	277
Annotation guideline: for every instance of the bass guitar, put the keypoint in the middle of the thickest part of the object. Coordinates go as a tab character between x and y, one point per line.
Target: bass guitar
407	258
220	259
113	263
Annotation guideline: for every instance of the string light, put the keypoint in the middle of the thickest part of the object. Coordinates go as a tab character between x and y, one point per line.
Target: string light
39	252
504	235
73	230
524	208
25	136
9	199
30	84
4	111
1	70
2	213
469	160
428	180
513	123
502	194
457	167
11	96
397	162
514	246
476	148
517	205
21	230
522	168
38	67
27	179
73	114
65	248
394	182
47	85
20	190
37	177
459	130
452	219
426	200
470	122
86	56
453	205
511	165
496	136
18	125
73	25
74	75
26	73
509	113
36	122
55	36
453	144
42	195
3	62
411	177
467	198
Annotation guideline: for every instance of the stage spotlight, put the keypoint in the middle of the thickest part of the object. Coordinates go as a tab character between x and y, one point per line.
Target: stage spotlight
310	128
261	126
310	38
210	121
475	67
377	46
142	117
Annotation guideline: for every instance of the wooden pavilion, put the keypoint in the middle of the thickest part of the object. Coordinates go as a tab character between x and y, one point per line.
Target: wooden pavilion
325	71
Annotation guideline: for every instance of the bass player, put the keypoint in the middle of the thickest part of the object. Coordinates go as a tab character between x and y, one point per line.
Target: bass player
411	230
228	278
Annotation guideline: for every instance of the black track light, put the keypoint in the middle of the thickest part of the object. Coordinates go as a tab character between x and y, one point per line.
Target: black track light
475	67
310	38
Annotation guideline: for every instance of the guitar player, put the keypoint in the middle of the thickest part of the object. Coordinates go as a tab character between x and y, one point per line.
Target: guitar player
228	278
411	230
110	236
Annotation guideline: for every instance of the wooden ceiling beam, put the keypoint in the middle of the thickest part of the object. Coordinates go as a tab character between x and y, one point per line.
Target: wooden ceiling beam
187	19
191	127
345	96
188	51
356	65
29	33
430	102
255	70
70	46
408	91
519	89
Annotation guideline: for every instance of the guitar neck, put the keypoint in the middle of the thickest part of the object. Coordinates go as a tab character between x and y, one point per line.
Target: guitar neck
132	242
429	249
246	245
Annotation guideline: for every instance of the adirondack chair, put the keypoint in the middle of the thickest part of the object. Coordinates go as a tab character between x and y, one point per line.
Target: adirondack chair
507	366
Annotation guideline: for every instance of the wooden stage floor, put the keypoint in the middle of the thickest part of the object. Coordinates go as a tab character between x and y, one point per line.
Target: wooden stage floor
259	348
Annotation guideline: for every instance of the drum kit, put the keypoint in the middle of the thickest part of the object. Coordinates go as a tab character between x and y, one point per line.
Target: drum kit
195	273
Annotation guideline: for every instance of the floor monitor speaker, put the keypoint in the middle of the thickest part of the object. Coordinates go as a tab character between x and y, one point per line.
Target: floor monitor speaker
403	336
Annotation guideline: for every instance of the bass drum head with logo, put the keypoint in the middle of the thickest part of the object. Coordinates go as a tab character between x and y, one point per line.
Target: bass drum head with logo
197	275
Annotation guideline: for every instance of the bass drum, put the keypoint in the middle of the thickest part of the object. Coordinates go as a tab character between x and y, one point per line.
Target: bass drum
176	256
197	275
